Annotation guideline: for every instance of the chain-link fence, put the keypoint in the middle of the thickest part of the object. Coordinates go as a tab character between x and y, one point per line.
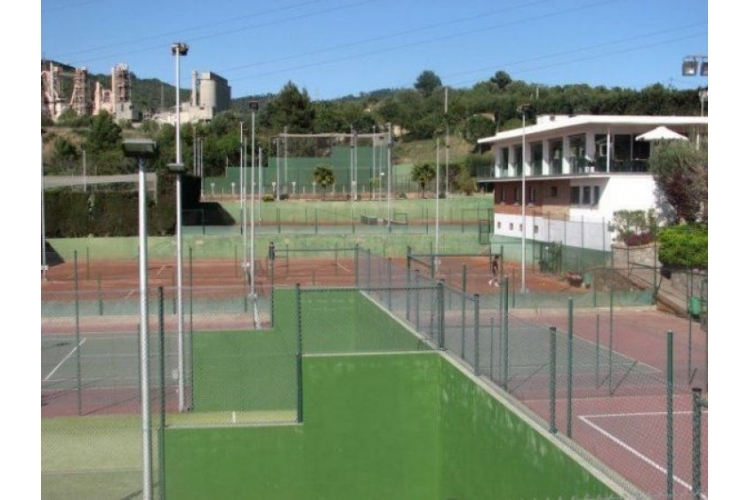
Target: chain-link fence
592	376
619	402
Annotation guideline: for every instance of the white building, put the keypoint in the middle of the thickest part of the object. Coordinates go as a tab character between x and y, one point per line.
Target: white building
580	168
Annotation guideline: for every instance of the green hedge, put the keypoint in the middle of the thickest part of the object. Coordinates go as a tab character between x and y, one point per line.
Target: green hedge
684	246
114	212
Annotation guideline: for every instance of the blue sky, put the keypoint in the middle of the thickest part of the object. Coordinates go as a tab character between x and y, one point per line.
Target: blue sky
333	48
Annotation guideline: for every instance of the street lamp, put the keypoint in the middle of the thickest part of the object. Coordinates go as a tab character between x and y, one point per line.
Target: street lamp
179	49
523	109
142	149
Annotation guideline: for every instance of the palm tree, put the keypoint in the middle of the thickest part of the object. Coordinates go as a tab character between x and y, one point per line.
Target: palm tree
323	176
422	174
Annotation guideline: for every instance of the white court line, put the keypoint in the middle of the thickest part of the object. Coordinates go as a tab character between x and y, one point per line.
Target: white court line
633	450
343	267
63	360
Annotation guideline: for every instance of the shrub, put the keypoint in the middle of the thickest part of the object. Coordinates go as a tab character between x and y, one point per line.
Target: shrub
639	239
684	246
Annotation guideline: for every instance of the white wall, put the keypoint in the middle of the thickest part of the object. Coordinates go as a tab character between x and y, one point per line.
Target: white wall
628	192
587	227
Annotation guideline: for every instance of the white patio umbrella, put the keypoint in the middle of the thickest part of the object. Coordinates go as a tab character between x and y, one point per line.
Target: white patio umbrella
661	134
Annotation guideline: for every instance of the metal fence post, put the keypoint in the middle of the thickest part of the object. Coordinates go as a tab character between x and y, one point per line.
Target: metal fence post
698	405
416	308
162	397
390	286
492	346
441	314
356	265
570	367
670	417
476	334
77	331
505	334
99	294
552	377
299	352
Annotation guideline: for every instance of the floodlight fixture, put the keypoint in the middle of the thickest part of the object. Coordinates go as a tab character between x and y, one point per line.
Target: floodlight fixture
176	168
695	65
704	68
689	66
139	147
180	49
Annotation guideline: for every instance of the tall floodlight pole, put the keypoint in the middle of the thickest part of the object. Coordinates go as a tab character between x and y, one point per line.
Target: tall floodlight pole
372	168
388	168
243	194
278	178
142	149
253	110
260	184
286	154
44	237
447	146
179	49
437	202
523	109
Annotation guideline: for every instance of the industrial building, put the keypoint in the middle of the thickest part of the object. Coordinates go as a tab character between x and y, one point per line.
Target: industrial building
210	94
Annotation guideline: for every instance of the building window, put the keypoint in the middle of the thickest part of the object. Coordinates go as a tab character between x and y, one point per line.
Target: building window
532	195
553	192
536	229
595	201
586	195
499	225
517	195
575	195
511	226
503	195
520	227
518	160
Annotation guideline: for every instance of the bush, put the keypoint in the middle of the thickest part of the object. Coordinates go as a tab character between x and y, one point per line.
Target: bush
684	246
268	197
639	239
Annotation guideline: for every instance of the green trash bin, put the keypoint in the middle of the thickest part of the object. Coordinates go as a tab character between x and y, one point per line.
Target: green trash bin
694	307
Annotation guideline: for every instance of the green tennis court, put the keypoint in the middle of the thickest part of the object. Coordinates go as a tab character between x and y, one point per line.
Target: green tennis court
369	411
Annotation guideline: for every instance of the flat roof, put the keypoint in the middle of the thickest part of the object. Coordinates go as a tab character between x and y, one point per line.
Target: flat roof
553	123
